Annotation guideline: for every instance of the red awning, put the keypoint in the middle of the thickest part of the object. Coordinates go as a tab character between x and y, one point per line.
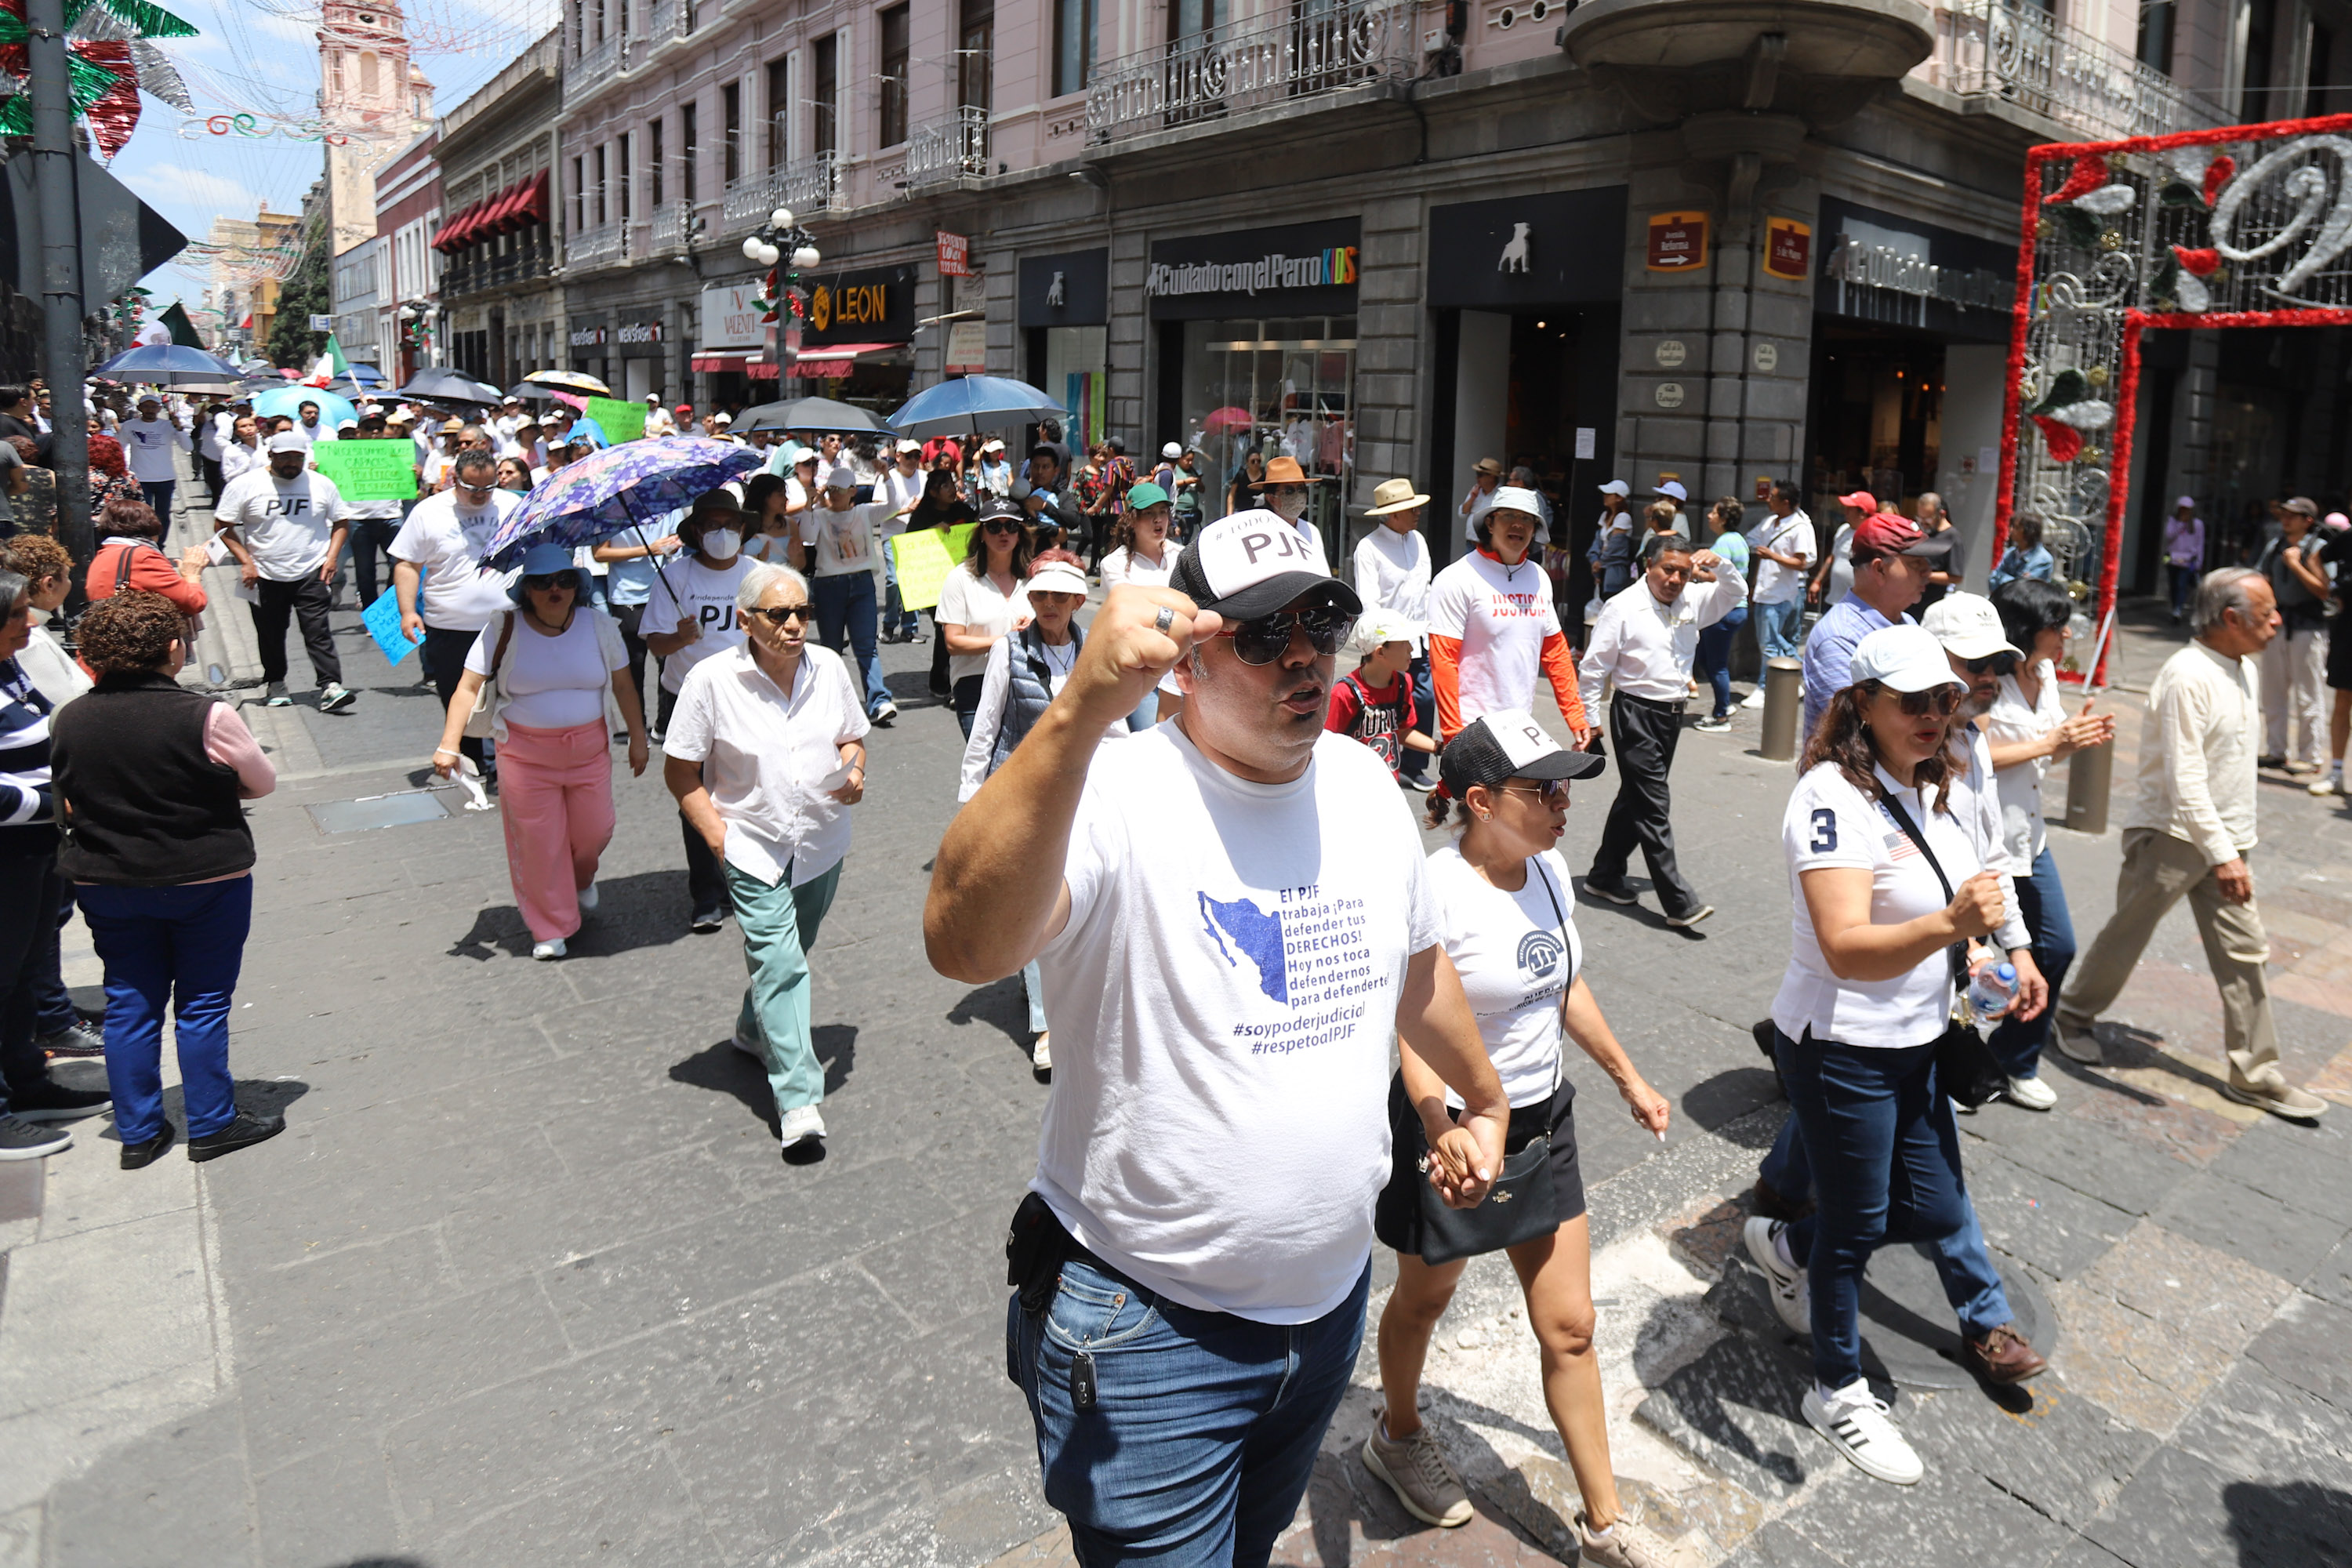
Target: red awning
533	208
453	235
499	218
761	370
719	360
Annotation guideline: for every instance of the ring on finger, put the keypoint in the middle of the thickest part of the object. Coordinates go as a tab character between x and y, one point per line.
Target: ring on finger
1163	620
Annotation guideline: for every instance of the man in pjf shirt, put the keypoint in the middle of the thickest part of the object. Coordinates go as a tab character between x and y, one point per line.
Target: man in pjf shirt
286	525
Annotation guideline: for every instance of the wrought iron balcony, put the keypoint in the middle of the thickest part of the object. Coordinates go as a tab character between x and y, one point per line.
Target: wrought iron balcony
597	247
671	226
664	20
949	148
1260	64
584	76
2020	54
810	186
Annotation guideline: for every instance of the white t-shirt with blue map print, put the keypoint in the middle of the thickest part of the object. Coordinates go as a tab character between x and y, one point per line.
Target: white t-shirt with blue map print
1221	1002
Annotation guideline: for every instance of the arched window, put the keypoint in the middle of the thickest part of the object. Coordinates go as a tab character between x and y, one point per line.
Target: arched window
367	75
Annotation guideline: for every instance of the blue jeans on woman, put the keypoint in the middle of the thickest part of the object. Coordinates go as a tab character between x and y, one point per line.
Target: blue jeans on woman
2042	903
182	946
1886	1168
846	611
1714	658
1205	1427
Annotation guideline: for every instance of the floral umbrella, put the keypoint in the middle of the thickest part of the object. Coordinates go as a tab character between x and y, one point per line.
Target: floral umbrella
570	380
614	490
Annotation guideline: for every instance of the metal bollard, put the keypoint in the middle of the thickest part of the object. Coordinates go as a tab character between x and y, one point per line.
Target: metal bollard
1784	703
2090	774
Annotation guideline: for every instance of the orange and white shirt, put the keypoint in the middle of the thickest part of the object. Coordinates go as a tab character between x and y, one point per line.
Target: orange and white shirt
1492	631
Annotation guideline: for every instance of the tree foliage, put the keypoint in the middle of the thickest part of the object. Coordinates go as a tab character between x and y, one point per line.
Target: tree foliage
302	295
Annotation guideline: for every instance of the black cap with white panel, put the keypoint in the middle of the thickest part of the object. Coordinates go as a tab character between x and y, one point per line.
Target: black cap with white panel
1253	564
1508	744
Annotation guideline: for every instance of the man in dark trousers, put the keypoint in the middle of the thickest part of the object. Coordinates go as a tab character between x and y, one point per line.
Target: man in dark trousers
1642	646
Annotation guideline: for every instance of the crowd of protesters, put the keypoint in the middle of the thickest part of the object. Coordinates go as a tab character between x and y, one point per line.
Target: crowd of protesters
1151	807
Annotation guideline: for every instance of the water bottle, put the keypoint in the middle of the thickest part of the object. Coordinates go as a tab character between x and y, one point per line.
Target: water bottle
1991	990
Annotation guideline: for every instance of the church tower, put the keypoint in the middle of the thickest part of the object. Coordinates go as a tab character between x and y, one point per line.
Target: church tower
372	96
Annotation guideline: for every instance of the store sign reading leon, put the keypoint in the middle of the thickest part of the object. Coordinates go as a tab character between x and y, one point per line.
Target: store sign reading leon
850	305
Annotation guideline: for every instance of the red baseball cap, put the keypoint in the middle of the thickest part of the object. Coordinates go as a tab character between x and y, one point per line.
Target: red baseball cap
1861	499
1884	533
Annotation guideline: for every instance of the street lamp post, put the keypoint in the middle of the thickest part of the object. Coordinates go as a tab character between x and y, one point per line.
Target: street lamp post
788	251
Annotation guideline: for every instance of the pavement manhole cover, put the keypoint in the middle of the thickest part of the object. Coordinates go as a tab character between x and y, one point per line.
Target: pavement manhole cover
377	811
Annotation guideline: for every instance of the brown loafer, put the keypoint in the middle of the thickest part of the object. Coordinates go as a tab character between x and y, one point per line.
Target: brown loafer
2003	1356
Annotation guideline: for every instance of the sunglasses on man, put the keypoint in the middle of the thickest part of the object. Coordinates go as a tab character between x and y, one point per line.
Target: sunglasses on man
1267	638
777	615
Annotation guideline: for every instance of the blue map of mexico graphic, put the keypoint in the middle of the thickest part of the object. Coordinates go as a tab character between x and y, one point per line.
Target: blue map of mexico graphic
1310	956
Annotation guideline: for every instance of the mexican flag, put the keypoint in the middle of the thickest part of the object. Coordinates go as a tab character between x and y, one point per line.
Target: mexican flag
330	365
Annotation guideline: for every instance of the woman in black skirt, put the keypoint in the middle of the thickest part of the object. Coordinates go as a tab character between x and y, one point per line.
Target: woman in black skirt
1505	891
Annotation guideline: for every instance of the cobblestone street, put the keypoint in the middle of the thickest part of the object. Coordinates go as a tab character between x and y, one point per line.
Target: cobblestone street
526	1283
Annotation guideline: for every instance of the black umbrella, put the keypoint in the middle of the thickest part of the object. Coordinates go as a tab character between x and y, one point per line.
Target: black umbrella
442	384
530	392
821	414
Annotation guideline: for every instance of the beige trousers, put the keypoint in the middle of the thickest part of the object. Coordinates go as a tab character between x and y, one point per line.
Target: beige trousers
2158	871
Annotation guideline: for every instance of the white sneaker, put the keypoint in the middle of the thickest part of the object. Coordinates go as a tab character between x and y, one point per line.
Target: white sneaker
1854	1420
1754	699
2329	783
2032	1093
1793	1296
545	950
1040	1055
802	1124
590	899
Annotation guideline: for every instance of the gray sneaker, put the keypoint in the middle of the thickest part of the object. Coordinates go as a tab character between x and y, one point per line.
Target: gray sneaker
2079	1043
334	696
2277	1097
1417	1470
1629	1544
279	696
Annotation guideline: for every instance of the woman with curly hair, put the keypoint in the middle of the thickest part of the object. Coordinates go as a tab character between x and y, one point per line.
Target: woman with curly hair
110	475
149	777
131	556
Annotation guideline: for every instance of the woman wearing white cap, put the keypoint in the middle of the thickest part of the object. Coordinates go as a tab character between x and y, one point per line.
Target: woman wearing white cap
1887	889
1143	553
1505	906
1025	672
1493	628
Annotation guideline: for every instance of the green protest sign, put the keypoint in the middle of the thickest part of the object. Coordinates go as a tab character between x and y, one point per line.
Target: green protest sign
621	421
924	558
369	470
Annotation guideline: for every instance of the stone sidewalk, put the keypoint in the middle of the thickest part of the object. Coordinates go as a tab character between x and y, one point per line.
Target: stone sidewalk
525	1282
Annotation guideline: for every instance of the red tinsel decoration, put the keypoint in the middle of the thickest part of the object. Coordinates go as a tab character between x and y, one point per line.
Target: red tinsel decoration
2063	440
2217	174
2203	263
2090	174
113	117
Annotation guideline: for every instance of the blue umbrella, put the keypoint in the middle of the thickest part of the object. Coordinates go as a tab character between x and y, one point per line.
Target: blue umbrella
617	487
289	400
166	364
972	404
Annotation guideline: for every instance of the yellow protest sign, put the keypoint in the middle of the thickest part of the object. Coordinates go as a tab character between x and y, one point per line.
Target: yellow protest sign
369	470
923	559
620	421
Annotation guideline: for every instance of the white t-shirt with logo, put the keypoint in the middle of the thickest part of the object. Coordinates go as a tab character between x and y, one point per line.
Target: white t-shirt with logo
702	595
148	444
285	523
1790	535
1829	822
844	540
1517	954
1502	615
1222	1001
447	541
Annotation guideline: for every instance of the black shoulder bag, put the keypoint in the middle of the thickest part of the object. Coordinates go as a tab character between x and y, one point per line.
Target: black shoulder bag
1521	1206
1965	1069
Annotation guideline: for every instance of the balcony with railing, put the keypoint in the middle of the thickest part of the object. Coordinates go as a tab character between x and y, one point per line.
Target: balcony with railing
1996	51
594	67
951	147
598	246
810	186
1313	50
670	227
476	273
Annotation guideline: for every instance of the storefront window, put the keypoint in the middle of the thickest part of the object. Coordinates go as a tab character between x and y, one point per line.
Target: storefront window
1280	387
1075	360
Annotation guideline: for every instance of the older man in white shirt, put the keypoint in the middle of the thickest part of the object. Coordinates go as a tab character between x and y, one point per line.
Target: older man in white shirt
1642	647
1392	571
2186	833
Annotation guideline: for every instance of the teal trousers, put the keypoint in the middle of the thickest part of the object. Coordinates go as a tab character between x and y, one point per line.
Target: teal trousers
780	925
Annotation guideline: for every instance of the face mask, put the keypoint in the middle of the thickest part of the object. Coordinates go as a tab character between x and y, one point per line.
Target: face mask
720	543
1291	507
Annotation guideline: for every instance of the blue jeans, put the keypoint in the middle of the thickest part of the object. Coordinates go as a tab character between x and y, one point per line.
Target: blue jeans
2042	904
1714	658
1888	1162
896	619
1412	764
159	496
845	605
1205	1427
28	915
182	945
1034	989
1146	715
780	925
1777	625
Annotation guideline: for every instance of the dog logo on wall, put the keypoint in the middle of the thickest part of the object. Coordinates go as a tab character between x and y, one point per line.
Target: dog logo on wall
1514	254
1053	292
